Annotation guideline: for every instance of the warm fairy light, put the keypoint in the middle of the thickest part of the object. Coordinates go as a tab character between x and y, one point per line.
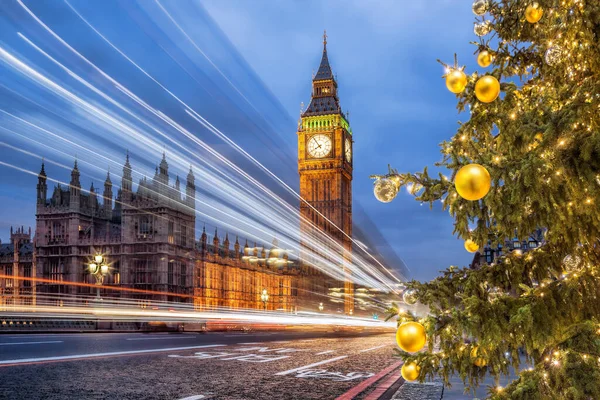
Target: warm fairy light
556	363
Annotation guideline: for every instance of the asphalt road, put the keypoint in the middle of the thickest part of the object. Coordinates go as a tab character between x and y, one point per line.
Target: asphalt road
177	366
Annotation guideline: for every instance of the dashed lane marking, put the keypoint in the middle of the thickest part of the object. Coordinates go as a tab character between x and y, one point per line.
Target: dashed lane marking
195	397
291	371
20	343
326	352
373	348
99	355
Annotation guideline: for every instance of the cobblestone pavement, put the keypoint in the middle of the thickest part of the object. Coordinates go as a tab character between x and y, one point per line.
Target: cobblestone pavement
243	367
420	391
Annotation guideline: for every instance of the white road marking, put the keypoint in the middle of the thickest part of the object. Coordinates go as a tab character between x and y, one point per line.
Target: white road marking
251	343
291	371
19	343
162	338
326	352
373	348
115	353
195	397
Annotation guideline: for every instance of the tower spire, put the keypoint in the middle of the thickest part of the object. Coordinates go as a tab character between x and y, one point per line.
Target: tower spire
324	37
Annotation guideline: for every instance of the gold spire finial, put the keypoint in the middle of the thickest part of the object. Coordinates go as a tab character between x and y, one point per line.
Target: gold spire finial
324	37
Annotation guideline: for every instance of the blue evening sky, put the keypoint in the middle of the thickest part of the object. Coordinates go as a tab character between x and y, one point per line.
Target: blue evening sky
251	70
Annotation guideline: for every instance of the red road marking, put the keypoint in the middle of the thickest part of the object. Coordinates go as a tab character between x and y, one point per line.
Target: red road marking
380	389
361	387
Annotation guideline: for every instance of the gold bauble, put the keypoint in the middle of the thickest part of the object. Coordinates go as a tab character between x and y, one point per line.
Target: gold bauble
478	359
410	371
533	13
487	89
471	246
485	58
472	182
456	81
411	336
538	137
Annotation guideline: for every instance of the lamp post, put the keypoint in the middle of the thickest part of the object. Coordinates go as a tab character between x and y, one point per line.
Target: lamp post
320	306
99	269
264	297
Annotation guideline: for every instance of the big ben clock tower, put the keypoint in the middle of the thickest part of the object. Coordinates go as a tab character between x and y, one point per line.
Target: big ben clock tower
325	166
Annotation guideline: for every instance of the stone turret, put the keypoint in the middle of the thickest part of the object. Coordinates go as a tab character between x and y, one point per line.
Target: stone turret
190	190
216	243
108	197
127	182
42	187
75	189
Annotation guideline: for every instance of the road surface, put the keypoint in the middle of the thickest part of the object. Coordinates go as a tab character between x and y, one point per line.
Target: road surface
189	366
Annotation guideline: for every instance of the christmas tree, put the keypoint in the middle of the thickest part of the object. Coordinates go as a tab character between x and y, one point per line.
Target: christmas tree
527	160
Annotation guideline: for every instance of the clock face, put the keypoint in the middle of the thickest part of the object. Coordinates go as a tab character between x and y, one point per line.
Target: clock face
348	152
319	146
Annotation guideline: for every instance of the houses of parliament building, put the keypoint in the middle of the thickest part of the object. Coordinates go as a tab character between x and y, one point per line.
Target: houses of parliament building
148	235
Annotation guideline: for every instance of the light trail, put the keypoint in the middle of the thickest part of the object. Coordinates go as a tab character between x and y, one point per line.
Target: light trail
251	205
220	134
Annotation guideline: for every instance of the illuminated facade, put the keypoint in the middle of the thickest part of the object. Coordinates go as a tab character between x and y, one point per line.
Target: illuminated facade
17	261
148	238
325	166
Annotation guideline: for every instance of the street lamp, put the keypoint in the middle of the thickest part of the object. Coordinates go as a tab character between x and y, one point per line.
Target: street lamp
98	268
320	306
264	297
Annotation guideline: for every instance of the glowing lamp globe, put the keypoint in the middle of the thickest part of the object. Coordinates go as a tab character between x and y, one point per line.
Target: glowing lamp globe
487	89
410	371
104	268
456	81
472	182
533	13
385	190
93	268
98	258
411	337
471	246
485	58
409	297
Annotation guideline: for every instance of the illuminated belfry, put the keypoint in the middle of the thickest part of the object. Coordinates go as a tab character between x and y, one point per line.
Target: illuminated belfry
325	168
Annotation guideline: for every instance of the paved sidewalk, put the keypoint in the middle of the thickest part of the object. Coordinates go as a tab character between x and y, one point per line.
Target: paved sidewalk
420	391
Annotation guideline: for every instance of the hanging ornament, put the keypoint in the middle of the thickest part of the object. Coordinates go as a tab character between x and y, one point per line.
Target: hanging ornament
456	80
471	246
480	7
410	371
409	297
571	263
487	89
482	28
385	190
538	137
472	182
553	56
477	356
533	13
485	58
411	337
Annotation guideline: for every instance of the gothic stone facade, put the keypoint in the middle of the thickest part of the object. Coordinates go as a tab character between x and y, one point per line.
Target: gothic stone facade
16	262
325	164
148	237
